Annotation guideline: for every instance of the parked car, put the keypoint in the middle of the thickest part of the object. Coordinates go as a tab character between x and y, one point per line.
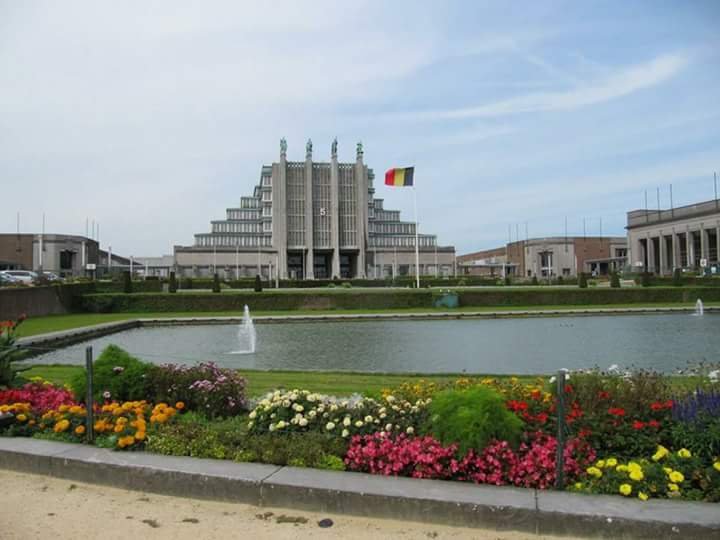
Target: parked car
51	276
6	279
23	276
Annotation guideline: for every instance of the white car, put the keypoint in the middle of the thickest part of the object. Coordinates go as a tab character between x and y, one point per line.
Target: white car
23	276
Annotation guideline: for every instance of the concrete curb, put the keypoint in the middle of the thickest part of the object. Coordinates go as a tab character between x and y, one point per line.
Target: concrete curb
430	501
78	335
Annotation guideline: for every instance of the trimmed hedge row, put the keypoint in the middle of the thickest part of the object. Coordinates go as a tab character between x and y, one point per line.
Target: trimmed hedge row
138	286
685	281
274	301
249	283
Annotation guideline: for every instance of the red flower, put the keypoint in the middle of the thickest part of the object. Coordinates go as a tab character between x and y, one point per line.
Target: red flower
616	411
657	406
637	424
653	424
516	406
602	394
536	395
584	432
568	389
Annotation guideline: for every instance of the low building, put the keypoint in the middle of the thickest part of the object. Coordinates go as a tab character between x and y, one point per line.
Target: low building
687	237
549	257
313	220
65	255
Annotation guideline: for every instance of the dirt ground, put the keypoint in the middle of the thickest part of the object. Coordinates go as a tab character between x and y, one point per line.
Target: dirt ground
33	506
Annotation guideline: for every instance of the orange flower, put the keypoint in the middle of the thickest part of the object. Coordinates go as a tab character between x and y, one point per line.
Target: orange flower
179	405
140	436
79	430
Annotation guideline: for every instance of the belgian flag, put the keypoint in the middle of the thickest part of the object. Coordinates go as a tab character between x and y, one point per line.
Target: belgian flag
400	177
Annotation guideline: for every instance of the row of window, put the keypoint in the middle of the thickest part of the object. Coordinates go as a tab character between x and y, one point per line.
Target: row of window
401	241
249	202
392	228
249	215
240	241
387	215
236	227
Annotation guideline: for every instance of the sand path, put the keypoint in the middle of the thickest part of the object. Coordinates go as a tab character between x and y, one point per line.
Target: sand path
42	507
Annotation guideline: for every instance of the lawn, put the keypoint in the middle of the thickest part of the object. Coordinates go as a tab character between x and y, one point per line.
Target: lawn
55	323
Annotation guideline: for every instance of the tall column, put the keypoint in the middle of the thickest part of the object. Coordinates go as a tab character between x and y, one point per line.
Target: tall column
361	184
703	243
335	214
650	253
675	251
661	246
309	258
689	249
717	243
279	210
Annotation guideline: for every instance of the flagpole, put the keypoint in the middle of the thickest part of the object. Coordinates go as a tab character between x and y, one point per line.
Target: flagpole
417	249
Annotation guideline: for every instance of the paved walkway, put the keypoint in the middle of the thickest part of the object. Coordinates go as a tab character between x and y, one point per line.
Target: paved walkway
40	507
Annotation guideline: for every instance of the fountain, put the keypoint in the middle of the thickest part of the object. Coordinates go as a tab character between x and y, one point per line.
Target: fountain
247	337
699	309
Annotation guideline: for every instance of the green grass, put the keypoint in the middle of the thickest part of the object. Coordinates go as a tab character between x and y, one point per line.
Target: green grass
260	382
55	323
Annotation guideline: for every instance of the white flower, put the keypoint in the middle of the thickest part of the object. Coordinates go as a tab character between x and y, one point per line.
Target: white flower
329	426
347	421
714	375
281	424
286	403
410	430
390	399
552	379
107	394
368	418
271	427
388	427
303	422
333	407
383	416
297	407
312	414
359	423
345	433
252	415
251	424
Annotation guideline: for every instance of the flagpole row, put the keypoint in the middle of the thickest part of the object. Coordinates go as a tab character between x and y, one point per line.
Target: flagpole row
417	249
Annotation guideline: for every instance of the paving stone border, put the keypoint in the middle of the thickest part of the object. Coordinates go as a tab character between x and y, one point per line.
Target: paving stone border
430	501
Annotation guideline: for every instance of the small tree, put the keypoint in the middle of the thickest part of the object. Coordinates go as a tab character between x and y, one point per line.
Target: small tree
645	279
9	351
615	280
127	282
508	281
216	283
582	280
534	280
173	284
677	277
258	283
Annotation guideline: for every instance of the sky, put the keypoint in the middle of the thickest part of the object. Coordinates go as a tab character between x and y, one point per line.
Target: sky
152	118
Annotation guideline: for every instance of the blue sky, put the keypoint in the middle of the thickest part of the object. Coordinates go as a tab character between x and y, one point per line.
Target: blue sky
152	118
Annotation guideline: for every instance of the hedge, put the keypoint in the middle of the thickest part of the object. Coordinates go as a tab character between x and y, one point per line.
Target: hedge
138	286
249	283
281	301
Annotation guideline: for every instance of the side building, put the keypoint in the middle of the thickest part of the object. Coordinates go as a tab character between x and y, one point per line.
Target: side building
64	254
687	237
313	220
549	257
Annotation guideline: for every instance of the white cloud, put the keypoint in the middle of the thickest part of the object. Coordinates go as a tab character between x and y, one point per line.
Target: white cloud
620	84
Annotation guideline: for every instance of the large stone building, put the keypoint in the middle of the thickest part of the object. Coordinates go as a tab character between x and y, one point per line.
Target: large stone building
548	257
313	220
687	237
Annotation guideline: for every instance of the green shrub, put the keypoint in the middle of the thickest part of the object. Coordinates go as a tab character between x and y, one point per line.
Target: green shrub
347	285
127	283
462	282
582	280
645	279
677	277
472	418
10	353
187	283
507	280
258	283
534	281
615	280
216	283
172	284
115	371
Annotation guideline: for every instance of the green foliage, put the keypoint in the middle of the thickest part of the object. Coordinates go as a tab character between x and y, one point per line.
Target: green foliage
645	279
472	418
10	352
347	285
172	283
615	280
582	280
677	278
216	283
534	281
127	282
117	372
258	283
702	436
508	280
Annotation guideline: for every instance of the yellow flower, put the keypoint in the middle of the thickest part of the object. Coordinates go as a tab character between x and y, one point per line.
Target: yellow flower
594	471
600	464
676	477
79	430
642	496
611	462
684	453
716	466
21	417
660	453
667	470
626	489
621	468
673	487
634	466
578	485
63	408
118	428
636	475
